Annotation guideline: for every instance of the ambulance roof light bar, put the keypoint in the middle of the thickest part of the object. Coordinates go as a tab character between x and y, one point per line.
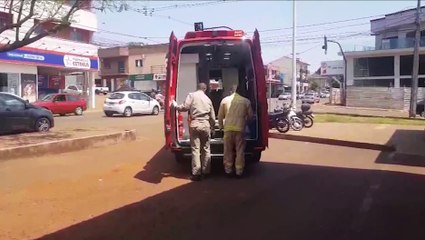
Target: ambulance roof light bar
199	26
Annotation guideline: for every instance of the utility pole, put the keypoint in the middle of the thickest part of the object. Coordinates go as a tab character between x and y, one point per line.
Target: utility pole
294	57
414	87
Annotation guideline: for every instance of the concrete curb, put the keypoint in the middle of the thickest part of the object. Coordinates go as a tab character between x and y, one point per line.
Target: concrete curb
336	142
66	145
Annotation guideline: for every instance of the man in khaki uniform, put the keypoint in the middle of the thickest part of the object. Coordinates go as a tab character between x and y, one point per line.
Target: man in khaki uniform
202	122
235	110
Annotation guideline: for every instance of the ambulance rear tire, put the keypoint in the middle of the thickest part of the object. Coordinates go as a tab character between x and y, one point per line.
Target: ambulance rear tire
179	157
255	157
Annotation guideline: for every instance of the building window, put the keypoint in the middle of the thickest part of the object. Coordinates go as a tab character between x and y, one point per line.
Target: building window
406	65
374	67
374	82
5	19
139	63
106	64
407	82
121	67
76	35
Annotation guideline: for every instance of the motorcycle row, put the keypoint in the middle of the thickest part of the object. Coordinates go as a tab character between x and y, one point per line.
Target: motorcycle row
285	118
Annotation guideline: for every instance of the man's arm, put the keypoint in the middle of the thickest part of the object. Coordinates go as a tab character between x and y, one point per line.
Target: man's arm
221	114
212	116
249	111
186	105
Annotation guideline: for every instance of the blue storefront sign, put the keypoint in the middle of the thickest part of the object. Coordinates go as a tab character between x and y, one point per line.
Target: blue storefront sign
51	59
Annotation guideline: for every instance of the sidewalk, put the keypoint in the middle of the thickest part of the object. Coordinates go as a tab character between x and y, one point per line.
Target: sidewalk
23	139
406	139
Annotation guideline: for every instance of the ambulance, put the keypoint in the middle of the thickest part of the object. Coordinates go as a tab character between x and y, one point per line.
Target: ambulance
220	57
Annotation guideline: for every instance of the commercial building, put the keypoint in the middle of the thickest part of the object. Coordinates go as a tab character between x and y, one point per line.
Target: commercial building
141	66
53	62
284	66
381	76
274	81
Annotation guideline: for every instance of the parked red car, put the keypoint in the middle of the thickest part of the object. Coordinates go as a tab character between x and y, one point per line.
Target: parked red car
63	103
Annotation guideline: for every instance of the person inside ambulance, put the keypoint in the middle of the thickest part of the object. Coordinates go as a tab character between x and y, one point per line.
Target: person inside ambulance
201	127
234	113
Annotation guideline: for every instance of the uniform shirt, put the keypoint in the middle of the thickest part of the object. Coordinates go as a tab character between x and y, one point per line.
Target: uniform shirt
200	108
235	114
224	109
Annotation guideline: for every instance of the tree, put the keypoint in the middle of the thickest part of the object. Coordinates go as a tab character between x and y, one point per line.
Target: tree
314	85
44	18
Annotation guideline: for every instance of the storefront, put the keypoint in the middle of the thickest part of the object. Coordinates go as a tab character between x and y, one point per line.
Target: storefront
160	81
27	70
143	82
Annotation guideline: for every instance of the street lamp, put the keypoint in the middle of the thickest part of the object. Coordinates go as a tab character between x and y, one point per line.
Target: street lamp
344	82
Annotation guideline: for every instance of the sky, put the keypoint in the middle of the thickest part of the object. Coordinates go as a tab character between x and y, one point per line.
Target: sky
345	21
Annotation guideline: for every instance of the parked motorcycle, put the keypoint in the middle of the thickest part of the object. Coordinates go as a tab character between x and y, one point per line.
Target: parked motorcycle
278	119
295	123
306	115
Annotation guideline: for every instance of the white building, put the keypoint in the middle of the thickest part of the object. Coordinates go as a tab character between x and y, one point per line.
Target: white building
381	76
389	63
51	63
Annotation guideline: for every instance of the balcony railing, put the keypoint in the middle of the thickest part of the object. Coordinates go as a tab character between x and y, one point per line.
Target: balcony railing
387	44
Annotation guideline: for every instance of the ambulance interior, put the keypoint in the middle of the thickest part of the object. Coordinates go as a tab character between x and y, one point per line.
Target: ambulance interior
221	65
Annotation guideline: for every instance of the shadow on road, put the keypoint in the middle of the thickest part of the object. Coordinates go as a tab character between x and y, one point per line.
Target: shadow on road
277	201
162	165
410	149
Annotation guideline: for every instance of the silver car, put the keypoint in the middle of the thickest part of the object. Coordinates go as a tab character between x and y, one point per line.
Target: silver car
128	103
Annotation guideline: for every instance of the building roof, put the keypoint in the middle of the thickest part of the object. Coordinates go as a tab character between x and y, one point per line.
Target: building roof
289	58
407	10
395	13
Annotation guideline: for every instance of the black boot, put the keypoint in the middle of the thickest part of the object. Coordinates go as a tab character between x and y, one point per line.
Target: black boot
196	178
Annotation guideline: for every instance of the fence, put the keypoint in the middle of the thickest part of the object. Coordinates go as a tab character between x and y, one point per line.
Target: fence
381	97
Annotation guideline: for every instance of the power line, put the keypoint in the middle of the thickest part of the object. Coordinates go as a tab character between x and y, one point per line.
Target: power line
318	30
146	10
322	23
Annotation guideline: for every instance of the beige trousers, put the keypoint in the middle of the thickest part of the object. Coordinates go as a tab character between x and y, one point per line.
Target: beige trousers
234	142
200	134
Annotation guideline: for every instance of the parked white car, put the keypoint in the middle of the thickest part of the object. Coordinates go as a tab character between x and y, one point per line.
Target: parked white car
128	103
284	96
99	90
74	89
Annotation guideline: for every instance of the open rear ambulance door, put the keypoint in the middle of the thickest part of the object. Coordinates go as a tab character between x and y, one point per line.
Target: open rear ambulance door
261	91
169	112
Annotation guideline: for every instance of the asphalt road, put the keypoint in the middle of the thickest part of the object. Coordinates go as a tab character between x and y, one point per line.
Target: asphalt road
137	191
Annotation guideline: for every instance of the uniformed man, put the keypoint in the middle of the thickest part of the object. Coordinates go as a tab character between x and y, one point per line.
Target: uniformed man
202	123
234	113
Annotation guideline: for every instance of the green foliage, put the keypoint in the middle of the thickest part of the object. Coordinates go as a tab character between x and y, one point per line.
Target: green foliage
314	86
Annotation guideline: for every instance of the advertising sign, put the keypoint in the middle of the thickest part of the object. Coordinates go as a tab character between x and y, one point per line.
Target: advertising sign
159	77
13	83
57	82
29	87
50	59
332	68
141	77
43	81
76	62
